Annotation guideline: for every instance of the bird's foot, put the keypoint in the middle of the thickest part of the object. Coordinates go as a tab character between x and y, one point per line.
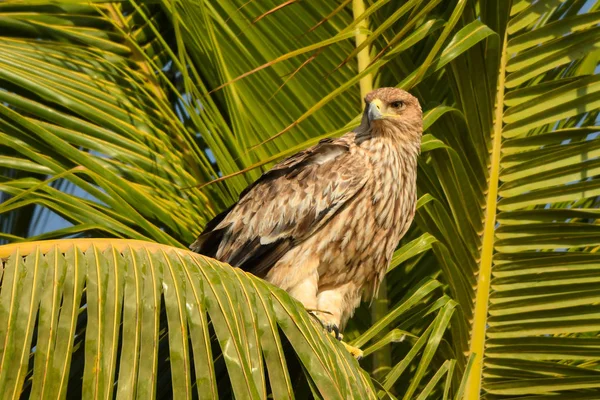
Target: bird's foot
325	320
355	351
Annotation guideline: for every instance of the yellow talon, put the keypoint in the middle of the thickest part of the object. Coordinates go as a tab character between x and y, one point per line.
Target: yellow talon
355	351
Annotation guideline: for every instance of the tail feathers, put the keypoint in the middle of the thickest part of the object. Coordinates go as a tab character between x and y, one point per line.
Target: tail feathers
250	256
208	243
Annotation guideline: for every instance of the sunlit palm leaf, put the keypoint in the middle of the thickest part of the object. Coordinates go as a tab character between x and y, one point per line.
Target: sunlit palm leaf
118	291
541	179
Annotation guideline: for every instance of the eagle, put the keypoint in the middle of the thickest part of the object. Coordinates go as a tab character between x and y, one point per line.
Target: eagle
323	224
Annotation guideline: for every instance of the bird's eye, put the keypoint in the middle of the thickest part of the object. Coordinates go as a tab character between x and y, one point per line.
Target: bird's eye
397	104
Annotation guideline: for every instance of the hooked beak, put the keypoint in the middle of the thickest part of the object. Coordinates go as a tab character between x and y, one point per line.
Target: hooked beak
374	110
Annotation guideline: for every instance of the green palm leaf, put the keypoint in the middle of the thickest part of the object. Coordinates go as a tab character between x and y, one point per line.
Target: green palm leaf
129	292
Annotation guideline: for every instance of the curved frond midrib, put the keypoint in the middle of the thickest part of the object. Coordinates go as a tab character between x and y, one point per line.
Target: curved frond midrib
487	250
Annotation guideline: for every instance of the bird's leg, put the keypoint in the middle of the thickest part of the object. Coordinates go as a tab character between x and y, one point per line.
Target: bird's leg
305	291
332	303
328	323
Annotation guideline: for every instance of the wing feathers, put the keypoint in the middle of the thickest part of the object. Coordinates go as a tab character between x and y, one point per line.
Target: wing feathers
285	206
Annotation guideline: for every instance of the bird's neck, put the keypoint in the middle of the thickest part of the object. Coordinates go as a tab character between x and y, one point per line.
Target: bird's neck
394	166
388	142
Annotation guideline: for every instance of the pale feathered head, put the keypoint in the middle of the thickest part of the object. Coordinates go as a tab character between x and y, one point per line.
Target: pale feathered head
393	111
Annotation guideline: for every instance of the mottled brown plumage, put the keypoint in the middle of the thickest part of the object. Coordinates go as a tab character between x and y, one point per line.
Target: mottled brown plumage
323	224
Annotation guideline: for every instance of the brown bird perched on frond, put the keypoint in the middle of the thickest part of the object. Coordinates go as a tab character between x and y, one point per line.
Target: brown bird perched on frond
323	224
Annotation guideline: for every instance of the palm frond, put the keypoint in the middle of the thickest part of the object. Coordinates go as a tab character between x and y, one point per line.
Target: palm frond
131	292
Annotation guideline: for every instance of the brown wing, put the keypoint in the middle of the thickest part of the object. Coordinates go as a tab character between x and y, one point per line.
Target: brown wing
285	206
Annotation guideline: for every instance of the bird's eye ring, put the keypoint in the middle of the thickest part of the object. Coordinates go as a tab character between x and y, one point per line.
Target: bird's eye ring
397	104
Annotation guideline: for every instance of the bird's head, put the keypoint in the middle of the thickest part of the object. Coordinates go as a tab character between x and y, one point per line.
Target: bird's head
393	111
